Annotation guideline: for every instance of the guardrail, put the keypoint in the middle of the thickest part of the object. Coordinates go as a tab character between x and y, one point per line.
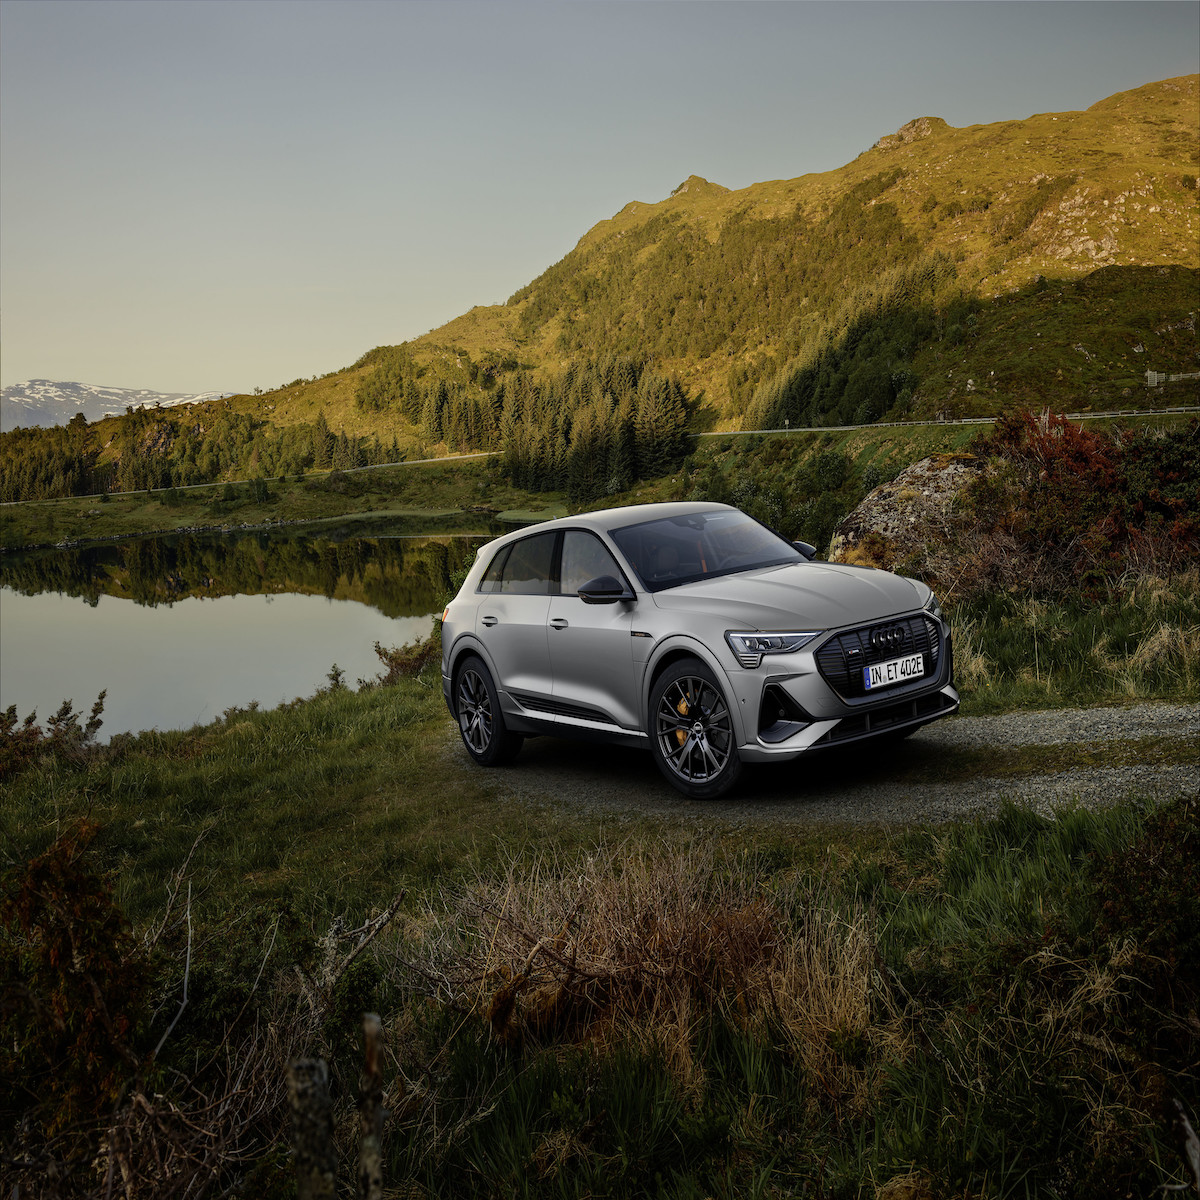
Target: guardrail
1085	416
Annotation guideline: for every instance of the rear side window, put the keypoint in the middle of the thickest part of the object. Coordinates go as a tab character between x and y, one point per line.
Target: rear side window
527	570
491	577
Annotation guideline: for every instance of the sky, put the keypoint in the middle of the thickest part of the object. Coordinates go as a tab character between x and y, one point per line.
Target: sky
204	195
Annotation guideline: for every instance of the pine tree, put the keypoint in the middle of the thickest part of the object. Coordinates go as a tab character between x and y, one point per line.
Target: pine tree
323	443
620	460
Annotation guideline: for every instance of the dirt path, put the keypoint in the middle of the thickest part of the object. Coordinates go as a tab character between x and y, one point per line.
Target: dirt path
891	784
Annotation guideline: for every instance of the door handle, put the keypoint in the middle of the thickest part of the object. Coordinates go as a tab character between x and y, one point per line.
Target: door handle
558	623
490	620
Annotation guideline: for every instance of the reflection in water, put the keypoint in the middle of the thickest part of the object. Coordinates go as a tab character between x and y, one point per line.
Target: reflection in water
400	577
217	622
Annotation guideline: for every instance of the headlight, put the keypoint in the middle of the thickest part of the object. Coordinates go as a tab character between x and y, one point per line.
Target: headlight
932	605
749	648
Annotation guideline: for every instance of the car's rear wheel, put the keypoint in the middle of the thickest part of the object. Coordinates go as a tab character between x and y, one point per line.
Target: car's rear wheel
691	731
480	721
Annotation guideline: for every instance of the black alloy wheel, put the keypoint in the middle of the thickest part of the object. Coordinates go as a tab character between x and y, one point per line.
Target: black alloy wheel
691	731
480	721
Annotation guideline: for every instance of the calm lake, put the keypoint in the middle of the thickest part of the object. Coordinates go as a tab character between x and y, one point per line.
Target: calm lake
178	629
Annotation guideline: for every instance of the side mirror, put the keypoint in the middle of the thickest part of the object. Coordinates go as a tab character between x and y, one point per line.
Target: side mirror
604	589
809	552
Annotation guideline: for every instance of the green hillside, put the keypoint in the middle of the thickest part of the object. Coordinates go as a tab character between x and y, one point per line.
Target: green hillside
920	240
1048	262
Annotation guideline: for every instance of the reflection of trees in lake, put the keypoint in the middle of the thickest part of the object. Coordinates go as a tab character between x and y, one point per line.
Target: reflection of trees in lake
398	577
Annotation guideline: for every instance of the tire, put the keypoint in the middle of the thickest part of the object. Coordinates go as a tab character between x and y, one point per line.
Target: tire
480	721
691	731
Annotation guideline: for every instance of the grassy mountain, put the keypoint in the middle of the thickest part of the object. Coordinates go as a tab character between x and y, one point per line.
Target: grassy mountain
947	248
1046	262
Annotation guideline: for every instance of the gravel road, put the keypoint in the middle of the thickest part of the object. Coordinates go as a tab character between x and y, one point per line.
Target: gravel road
857	784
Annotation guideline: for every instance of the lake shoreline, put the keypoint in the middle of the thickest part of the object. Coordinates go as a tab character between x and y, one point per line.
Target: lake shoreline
268	525
446	496
177	628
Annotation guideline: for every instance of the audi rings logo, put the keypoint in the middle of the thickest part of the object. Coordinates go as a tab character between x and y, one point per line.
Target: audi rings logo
891	638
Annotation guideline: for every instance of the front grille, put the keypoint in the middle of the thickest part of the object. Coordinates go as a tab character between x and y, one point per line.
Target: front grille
842	659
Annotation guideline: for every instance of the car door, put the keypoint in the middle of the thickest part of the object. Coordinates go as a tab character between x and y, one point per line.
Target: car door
591	647
511	618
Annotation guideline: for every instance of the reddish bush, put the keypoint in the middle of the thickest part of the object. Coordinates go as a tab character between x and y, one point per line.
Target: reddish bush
1085	506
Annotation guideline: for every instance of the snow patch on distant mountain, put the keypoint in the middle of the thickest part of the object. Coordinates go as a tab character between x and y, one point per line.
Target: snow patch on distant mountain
43	402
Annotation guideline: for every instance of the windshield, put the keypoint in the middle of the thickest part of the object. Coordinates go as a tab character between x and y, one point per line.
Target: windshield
675	550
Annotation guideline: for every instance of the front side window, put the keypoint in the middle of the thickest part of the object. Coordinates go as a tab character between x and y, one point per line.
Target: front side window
584	557
527	570
683	549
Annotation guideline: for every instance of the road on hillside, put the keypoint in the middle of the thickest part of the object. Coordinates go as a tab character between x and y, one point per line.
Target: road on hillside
895	784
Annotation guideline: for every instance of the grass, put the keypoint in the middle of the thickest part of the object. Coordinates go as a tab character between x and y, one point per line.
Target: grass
1066	344
338	785
586	1002
1142	641
933	1018
325	802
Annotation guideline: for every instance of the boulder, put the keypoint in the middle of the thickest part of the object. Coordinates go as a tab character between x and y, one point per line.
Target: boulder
898	521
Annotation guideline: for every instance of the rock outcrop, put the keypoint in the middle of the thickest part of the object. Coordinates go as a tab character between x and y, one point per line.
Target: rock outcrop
921	127
898	521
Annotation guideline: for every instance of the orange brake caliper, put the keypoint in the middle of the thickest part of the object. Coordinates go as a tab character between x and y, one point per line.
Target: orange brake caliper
682	709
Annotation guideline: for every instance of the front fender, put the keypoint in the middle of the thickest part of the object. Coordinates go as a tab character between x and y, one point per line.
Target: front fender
680	645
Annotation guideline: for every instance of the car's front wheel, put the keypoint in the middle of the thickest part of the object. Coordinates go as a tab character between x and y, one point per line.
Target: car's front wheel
691	731
480	721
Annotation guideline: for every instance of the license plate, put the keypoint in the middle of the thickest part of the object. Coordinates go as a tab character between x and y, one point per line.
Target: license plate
898	670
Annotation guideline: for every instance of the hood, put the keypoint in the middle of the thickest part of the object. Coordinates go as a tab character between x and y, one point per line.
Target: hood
812	595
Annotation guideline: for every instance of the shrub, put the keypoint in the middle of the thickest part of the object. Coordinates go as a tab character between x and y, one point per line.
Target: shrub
67	739
1150	892
1064	508
19	744
74	987
412	658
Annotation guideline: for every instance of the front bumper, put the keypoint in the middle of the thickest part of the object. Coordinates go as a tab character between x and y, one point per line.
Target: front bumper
811	706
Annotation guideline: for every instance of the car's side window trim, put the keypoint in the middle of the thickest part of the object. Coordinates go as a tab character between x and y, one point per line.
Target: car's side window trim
556	564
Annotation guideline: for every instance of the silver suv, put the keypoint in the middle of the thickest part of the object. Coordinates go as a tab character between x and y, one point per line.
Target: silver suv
694	631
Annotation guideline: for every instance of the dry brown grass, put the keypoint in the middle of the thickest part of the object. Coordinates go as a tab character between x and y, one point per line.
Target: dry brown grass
913	1186
873	550
1174	648
640	946
972	667
1148	591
